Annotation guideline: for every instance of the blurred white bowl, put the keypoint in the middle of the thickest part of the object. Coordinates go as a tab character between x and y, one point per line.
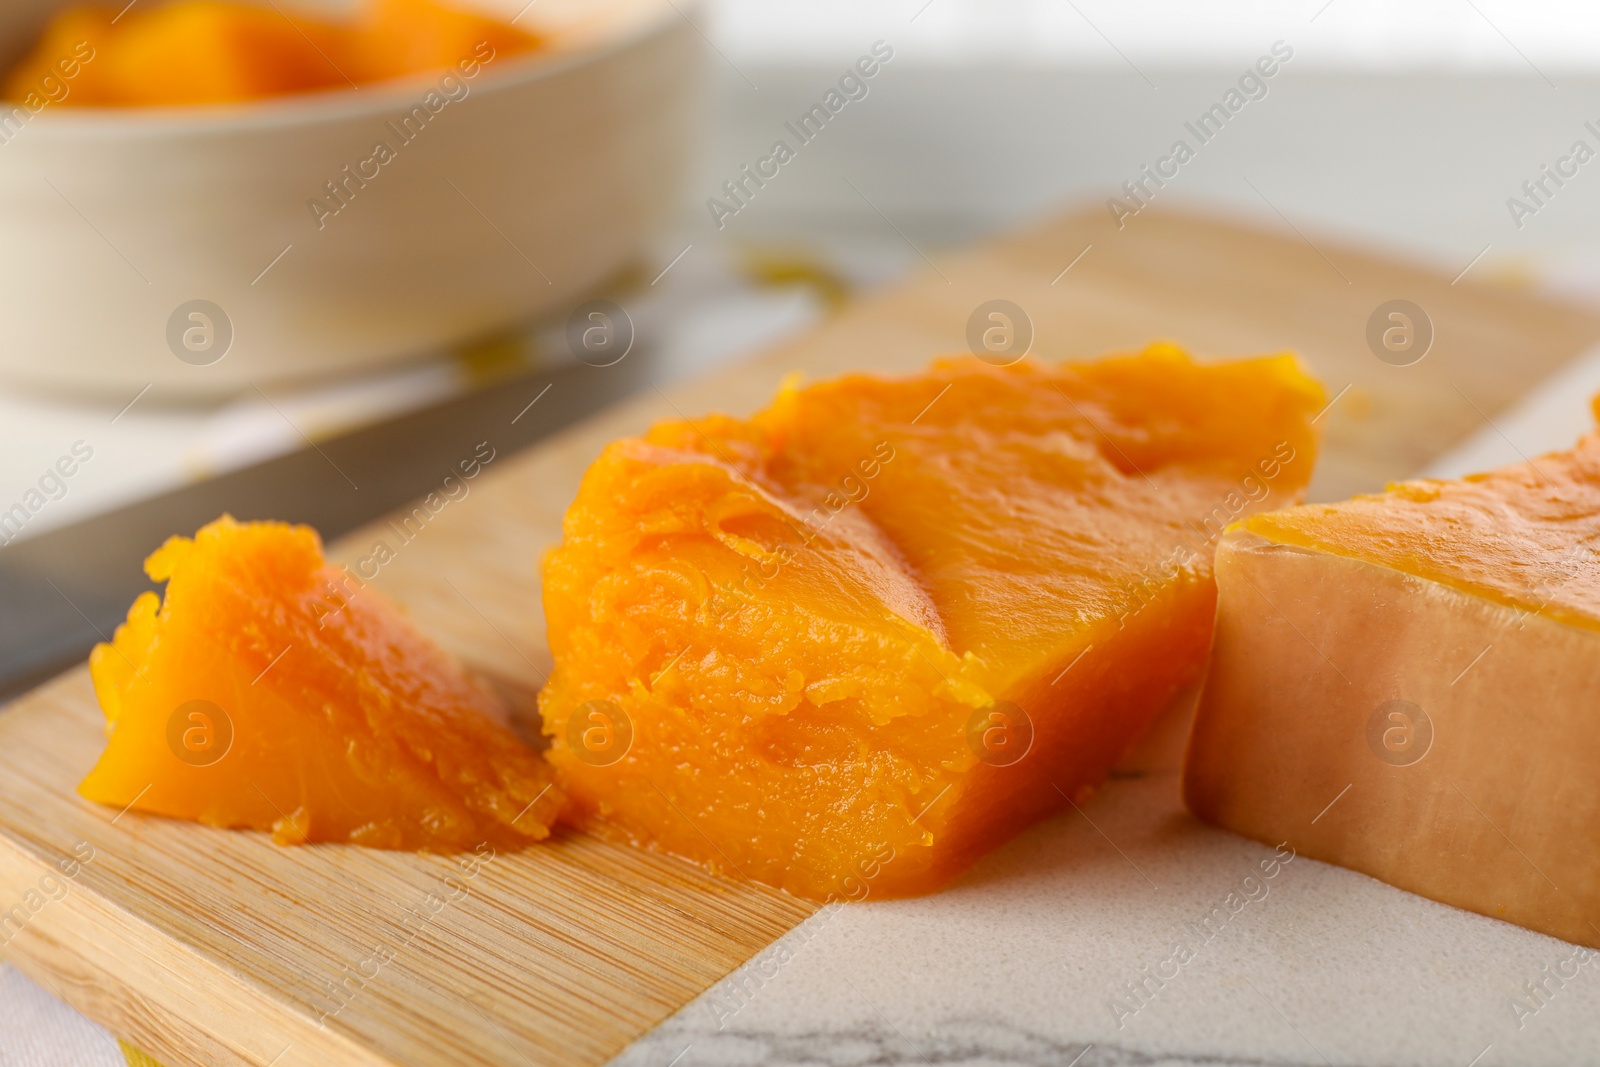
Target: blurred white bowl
548	176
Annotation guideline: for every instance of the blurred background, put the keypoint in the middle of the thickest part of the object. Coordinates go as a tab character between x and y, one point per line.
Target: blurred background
1402	127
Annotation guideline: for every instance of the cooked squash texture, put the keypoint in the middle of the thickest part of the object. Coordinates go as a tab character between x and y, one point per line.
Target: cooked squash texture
189	52
847	645
266	691
1514	535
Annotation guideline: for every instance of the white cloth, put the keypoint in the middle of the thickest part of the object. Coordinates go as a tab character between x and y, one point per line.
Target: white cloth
37	1030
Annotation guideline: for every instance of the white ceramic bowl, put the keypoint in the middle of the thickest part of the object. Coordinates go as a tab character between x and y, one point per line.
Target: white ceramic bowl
548	175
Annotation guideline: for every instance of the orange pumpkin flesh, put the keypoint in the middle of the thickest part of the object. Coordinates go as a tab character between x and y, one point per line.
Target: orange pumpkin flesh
263	693
855	641
1404	684
1510	535
393	38
187	52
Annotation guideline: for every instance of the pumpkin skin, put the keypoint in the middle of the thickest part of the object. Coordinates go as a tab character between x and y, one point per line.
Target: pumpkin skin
851	643
265	691
1404	684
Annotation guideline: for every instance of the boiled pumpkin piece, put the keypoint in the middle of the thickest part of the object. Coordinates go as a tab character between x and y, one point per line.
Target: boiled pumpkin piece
394	38
191	52
851	643
1405	684
268	691
52	73
180	52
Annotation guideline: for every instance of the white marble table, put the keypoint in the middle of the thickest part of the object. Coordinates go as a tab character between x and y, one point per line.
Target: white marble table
1028	960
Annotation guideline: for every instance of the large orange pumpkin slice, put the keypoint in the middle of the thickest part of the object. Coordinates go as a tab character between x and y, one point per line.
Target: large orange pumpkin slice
1407	684
856	640
265	691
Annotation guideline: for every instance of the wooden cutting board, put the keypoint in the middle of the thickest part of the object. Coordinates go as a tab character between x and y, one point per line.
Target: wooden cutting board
214	947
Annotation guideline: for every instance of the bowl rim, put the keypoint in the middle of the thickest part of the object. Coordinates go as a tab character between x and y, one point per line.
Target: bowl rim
347	103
